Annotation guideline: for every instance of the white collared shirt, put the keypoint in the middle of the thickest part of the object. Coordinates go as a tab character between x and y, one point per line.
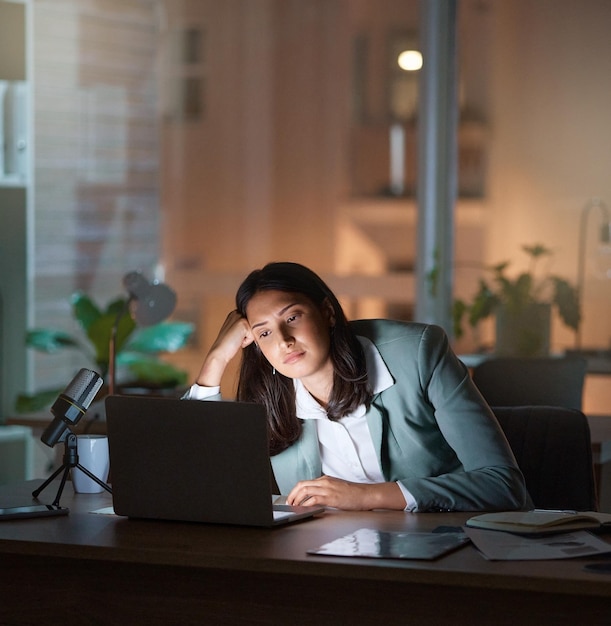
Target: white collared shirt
346	447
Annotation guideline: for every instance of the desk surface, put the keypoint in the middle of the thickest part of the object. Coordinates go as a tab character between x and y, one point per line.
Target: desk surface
180	561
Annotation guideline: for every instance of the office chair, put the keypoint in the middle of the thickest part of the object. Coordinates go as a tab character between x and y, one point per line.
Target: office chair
553	449
547	381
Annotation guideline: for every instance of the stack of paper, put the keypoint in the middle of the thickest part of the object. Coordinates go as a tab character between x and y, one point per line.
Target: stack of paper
540	521
538	534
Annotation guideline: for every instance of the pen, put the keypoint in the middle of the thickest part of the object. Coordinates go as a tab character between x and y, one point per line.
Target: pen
567	511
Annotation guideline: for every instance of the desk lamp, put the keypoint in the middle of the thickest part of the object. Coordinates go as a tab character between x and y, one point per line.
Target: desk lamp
148	303
604	238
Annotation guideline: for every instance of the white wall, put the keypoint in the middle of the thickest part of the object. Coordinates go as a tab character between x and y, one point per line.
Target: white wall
551	146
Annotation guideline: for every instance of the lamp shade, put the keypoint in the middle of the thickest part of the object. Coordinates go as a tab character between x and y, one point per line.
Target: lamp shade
150	302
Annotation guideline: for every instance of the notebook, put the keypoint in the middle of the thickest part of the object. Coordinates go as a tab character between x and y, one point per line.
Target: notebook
542	521
193	461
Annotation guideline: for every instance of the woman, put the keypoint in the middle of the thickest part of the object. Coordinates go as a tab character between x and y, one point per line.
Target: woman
362	415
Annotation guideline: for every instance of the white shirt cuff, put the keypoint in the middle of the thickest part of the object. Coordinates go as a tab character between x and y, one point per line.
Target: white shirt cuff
197	392
411	504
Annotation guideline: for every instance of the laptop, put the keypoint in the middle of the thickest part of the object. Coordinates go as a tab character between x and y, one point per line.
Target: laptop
193	461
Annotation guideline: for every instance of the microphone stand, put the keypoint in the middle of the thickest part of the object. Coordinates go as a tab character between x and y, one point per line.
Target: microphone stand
70	461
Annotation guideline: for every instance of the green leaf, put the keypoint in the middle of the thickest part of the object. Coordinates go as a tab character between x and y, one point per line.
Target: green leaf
459	308
100	331
164	337
566	299
518	293
537	250
483	304
36	402
84	310
152	370
49	340
117	306
499	269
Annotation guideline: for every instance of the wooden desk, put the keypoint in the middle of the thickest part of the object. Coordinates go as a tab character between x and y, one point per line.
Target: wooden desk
89	568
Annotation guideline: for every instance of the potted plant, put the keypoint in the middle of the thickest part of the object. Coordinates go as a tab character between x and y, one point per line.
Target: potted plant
137	349
522	306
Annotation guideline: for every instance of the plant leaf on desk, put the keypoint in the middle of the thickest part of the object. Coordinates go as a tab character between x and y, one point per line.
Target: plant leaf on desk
163	337
99	333
134	347
567	299
34	403
84	309
151	371
49	340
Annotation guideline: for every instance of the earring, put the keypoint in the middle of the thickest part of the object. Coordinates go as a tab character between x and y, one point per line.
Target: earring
274	371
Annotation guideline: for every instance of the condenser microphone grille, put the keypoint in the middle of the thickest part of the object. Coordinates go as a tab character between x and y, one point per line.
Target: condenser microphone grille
84	387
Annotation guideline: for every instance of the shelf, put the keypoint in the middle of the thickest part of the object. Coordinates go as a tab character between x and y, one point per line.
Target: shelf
13	181
381	210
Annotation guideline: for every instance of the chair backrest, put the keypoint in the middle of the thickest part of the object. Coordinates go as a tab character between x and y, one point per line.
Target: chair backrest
546	381
553	449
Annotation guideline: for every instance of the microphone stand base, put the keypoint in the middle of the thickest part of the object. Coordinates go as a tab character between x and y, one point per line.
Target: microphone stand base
70	461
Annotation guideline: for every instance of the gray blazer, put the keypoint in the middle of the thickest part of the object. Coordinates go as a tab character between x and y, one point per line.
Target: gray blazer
432	429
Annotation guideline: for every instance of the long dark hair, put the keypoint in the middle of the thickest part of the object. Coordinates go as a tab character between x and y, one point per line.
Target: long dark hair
257	381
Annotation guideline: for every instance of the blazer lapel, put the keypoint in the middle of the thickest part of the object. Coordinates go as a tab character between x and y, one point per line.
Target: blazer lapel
375	421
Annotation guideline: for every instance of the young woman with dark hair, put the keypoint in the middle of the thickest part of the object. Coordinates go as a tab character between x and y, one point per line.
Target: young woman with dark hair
361	415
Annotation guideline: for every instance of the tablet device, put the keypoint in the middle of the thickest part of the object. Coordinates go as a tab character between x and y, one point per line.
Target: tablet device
33	510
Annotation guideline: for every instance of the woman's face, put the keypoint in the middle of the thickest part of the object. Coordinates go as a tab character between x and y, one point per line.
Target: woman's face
293	333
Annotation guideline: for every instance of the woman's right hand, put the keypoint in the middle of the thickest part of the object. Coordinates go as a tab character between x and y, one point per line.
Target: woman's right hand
234	335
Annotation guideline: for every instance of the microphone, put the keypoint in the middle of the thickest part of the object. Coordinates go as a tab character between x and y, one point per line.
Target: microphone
71	405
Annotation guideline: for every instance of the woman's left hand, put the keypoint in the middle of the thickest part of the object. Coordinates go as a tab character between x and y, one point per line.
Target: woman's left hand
342	494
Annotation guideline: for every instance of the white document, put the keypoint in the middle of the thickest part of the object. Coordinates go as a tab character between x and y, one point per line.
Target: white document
502	546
